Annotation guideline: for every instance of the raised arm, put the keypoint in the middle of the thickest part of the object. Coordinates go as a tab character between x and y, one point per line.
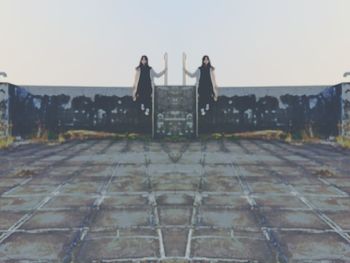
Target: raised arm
158	75
136	79
192	75
215	86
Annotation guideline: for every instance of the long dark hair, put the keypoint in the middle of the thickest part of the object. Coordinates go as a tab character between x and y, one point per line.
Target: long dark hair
209	64
140	64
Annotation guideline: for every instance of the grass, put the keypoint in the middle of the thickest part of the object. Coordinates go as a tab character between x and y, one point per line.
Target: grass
86	134
293	138
265	134
5	142
343	141
24	173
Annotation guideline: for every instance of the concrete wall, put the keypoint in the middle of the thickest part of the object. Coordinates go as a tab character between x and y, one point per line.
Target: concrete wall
58	109
4	110
346	109
315	110
319	110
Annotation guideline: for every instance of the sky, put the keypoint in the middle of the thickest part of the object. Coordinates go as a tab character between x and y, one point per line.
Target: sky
249	42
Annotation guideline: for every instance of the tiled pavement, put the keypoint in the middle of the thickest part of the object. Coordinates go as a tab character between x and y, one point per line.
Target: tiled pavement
198	201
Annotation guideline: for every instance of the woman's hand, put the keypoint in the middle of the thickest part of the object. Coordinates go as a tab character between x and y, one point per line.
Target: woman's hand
134	96
163	72
215	93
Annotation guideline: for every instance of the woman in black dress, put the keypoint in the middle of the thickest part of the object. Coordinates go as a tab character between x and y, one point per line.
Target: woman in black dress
144	84
206	84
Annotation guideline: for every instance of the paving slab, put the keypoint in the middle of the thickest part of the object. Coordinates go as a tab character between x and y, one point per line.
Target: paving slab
299	246
188	201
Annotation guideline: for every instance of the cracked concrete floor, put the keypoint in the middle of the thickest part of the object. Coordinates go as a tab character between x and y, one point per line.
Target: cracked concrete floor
198	201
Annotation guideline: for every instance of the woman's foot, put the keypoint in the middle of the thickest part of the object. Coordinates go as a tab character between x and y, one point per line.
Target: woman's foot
142	106
202	111
207	107
147	111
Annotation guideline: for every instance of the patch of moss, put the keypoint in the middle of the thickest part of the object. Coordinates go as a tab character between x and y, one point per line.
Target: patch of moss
288	138
324	172
61	138
133	136
24	173
264	134
52	135
87	134
231	137
217	136
5	142
343	141
297	135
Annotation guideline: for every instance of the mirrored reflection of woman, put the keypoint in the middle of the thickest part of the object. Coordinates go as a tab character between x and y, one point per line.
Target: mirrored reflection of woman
206	84
144	84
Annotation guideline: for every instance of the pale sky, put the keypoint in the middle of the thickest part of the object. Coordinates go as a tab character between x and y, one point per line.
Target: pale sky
250	42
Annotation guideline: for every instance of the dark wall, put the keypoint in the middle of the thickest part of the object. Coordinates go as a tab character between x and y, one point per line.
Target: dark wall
58	109
4	109
315	109
346	109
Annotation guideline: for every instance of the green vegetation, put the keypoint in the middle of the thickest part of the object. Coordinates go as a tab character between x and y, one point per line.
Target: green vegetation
343	141
5	142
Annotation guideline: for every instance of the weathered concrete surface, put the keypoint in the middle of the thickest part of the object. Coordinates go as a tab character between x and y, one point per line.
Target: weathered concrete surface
320	111
198	201
4	111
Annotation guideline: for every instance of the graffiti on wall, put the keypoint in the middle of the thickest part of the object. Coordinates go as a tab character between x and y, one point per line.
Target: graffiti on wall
4	121
346	109
317	110
317	114
62	110
175	111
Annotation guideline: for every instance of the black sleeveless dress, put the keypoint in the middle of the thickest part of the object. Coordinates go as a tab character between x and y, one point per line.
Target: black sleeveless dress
205	87
144	87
